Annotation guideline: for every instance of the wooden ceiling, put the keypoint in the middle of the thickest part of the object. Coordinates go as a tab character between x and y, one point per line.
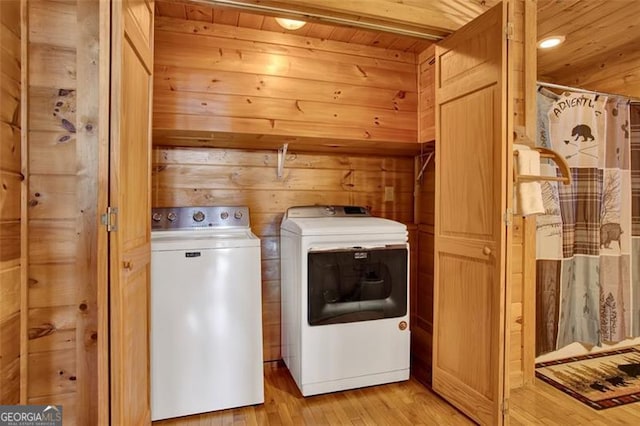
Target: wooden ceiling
235	17
602	47
600	53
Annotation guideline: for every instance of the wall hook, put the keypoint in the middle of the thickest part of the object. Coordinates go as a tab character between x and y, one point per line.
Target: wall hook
282	155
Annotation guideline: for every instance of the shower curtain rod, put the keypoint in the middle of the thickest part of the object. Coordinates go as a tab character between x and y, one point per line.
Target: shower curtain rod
578	89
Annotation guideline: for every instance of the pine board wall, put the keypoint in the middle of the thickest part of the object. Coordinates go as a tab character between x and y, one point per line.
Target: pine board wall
521	315
11	179
218	78
424	202
62	219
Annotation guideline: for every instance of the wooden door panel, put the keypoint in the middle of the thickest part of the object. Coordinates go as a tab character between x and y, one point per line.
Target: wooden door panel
135	153
470	300
471	175
475	47
130	193
138	21
135	305
468	186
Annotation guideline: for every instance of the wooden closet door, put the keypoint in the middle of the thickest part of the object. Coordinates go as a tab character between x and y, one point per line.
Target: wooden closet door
130	193
470	233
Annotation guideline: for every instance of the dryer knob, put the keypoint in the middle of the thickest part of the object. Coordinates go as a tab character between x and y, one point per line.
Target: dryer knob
172	216
224	215
238	215
198	216
157	217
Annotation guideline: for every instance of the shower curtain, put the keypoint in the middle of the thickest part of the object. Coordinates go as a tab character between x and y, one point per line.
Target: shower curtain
635	215
584	238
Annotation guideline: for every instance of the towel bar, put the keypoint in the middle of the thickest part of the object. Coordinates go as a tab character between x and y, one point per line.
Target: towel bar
557	158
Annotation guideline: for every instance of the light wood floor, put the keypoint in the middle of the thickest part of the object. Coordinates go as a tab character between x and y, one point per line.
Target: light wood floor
406	403
543	404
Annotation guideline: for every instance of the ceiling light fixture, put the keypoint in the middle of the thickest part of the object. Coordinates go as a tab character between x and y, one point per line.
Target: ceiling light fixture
290	24
551	41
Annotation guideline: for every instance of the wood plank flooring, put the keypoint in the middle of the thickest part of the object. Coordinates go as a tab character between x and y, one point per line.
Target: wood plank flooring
405	403
543	404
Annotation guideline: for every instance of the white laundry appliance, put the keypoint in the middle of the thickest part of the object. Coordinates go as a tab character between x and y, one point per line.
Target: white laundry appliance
206	311
345	299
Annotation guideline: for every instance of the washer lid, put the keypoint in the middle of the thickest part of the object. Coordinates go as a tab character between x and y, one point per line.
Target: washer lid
202	239
343	226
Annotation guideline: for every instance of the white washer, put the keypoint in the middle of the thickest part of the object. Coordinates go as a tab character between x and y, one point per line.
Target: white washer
345	298
206	311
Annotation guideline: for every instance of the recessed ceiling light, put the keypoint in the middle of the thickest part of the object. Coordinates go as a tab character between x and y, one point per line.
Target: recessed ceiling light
290	24
551	41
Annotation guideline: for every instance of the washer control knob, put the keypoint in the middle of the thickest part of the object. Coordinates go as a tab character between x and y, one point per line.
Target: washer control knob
331	211
238	215
156	217
172	216
198	216
224	215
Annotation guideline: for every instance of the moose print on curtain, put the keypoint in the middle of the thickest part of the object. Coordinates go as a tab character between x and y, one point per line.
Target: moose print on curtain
584	237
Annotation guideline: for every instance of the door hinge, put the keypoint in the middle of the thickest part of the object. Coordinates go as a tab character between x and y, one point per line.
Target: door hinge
505	407
508	30
110	219
507	217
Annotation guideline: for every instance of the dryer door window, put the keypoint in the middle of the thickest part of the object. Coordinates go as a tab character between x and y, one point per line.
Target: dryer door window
356	284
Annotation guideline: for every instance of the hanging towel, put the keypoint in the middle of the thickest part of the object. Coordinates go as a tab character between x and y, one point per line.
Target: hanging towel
529	199
549	224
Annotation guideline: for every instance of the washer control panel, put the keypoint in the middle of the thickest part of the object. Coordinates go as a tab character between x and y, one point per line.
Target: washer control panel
173	218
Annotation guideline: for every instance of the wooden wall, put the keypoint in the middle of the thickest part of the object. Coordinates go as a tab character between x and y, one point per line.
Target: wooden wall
426	95
208	176
11	263
521	292
62	347
424	202
422	294
212	79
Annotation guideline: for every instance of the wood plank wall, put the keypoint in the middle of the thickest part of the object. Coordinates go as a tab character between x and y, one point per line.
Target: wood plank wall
220	78
427	95
10	202
422	292
208	176
62	347
520	315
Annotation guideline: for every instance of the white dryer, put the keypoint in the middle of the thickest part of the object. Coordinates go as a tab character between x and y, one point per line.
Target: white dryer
345	298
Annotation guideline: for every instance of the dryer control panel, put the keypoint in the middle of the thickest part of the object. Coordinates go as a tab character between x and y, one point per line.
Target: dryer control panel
327	211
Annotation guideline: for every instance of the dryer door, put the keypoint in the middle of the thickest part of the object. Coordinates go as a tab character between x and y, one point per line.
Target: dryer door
357	284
